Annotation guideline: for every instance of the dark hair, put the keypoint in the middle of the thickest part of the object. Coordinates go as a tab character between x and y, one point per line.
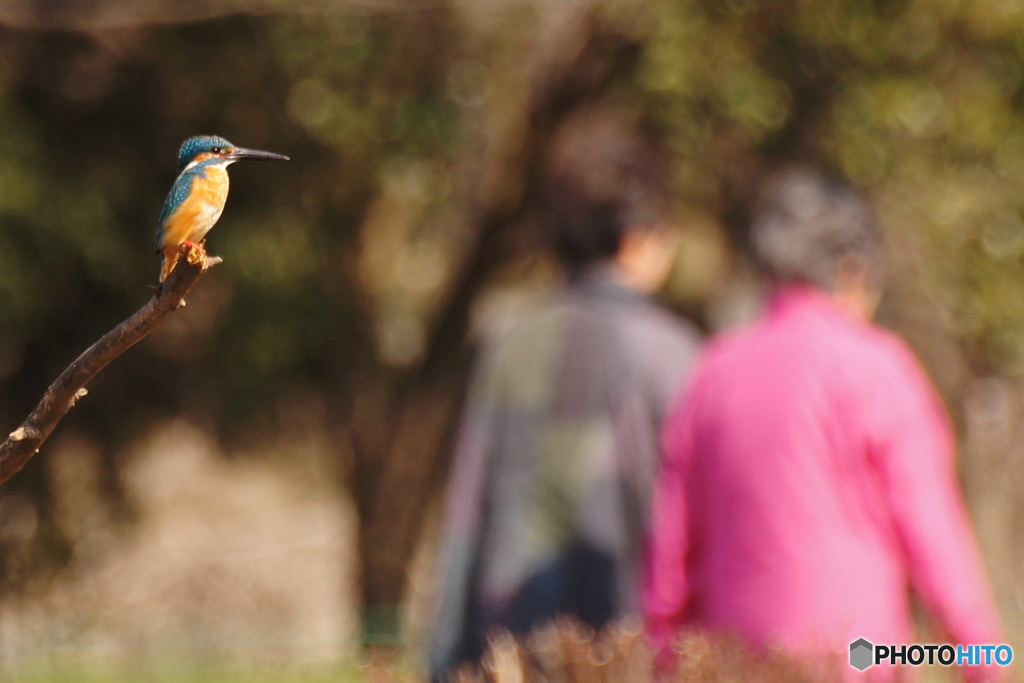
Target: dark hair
805	224
600	179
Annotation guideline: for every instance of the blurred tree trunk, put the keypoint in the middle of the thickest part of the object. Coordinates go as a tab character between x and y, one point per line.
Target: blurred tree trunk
400	459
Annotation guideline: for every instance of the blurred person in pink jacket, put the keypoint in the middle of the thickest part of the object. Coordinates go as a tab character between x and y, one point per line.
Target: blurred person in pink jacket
808	484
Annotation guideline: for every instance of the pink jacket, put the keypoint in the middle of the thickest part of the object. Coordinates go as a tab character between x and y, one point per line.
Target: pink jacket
808	483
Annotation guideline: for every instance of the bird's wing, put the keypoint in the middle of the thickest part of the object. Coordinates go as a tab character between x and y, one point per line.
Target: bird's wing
180	191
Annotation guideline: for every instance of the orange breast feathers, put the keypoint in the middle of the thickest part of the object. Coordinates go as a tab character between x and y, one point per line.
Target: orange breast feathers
197	214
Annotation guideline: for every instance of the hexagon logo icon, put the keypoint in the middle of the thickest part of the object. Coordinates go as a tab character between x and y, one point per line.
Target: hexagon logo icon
860	654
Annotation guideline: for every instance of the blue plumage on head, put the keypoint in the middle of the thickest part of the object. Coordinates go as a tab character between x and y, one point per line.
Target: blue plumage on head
197	145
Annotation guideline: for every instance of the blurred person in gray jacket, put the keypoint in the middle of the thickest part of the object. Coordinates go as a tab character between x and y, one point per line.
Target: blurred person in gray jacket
548	499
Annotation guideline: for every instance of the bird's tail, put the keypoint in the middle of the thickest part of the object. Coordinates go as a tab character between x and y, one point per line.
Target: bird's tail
170	260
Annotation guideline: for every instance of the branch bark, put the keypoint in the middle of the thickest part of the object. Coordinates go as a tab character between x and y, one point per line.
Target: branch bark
25	441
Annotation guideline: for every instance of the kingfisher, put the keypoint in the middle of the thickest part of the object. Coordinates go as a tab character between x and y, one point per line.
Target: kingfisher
197	198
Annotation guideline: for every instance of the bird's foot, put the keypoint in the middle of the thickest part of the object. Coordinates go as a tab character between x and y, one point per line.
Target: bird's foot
193	253
197	256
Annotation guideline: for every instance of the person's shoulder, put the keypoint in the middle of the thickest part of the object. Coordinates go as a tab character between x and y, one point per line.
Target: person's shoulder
716	359
884	347
539	317
658	320
518	333
725	345
652	339
881	364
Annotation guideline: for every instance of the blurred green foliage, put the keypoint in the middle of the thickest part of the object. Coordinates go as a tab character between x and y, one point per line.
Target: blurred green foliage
90	127
920	101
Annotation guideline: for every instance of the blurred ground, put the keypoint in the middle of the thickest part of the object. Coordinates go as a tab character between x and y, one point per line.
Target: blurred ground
230	562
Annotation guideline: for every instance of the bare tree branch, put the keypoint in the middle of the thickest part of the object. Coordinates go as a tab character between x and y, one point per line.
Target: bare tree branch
24	442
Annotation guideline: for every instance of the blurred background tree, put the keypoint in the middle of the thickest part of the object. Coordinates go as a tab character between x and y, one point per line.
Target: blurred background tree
354	274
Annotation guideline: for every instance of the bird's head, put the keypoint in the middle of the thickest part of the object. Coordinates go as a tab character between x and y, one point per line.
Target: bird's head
201	148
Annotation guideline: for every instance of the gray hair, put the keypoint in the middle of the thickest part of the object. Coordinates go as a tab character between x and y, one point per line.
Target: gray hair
806	225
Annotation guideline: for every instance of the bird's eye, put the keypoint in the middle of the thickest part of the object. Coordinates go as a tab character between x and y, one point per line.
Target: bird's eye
219	150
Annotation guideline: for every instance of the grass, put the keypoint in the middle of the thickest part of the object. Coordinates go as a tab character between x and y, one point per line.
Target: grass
345	672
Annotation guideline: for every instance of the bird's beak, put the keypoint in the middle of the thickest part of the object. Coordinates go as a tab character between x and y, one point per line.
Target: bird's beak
243	153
